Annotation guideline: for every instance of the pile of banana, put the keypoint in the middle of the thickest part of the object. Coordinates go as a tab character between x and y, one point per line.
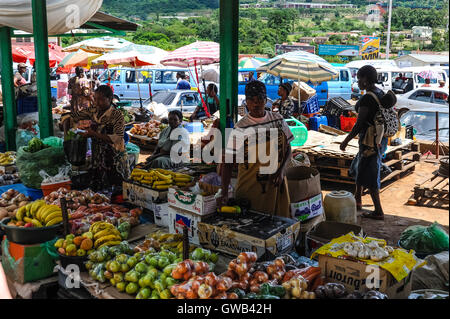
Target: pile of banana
37	214
160	179
161	240
105	234
7	158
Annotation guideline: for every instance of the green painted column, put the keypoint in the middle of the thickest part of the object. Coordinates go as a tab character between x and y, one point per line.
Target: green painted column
42	67
9	101
229	52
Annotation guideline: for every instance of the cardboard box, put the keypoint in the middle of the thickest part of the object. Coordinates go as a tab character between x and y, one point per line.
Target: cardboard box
305	227
267	236
198	204
178	218
161	213
307	209
142	195
303	183
353	276
27	263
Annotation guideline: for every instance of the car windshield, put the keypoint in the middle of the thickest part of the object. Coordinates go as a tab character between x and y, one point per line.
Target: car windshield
165	97
424	123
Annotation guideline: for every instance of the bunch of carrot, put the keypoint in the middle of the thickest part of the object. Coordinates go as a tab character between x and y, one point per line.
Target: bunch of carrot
310	274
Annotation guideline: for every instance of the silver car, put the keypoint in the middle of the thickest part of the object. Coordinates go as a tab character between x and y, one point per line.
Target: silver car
183	100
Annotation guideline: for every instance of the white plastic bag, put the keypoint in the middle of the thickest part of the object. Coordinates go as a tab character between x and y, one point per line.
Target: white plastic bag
159	110
62	176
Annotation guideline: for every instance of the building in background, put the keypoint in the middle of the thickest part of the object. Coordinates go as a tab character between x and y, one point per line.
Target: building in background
421	33
422	60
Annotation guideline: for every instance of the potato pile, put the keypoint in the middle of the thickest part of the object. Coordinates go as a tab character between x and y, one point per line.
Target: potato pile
11	201
75	198
150	129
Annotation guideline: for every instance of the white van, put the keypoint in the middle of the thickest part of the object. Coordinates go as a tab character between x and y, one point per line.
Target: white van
402	80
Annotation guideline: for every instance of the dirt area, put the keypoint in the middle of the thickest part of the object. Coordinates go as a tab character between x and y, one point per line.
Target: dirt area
398	215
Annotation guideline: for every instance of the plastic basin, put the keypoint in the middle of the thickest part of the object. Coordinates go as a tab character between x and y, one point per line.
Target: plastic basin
29	236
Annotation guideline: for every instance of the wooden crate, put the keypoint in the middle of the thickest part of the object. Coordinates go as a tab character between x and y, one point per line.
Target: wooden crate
431	192
334	166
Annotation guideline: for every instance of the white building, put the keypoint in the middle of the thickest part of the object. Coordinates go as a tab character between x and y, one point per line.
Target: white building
422	33
422	60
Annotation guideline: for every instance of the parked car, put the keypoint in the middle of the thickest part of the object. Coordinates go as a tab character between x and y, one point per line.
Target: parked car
182	100
425	98
125	81
424	123
341	86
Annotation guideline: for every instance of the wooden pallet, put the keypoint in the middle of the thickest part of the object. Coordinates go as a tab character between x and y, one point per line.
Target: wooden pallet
334	166
431	192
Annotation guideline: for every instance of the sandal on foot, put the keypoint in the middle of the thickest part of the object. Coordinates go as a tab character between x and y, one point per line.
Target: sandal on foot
373	215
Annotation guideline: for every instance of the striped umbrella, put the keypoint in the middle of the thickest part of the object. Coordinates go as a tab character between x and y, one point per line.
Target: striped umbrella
200	52
133	55
251	63
300	65
429	74
79	58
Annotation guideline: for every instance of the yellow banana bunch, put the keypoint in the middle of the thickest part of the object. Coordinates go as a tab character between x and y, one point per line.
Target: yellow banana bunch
39	214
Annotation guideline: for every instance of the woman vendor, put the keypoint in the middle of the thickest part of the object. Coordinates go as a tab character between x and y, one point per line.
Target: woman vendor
161	156
284	104
366	166
212	102
266	193
109	165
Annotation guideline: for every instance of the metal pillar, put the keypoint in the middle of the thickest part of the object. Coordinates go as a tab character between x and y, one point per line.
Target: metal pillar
388	42
42	67
9	100
229	50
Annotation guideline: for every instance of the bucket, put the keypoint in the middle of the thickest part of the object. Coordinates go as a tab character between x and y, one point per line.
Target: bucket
299	131
340	206
47	189
30	236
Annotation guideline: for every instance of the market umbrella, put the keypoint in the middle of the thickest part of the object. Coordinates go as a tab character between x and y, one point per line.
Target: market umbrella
301	66
197	53
133	55
79	58
24	53
251	63
99	45
429	74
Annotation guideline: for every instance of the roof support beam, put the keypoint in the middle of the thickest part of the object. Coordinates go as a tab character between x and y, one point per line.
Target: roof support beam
229	45
9	100
39	8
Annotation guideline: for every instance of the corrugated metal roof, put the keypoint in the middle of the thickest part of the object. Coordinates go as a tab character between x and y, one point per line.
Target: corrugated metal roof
428	57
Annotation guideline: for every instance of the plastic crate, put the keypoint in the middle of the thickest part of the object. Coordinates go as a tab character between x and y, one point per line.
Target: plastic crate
316	121
299	131
310	106
336	106
347	123
334	121
195	127
27	105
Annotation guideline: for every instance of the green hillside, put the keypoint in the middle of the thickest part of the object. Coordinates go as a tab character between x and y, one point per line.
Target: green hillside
142	8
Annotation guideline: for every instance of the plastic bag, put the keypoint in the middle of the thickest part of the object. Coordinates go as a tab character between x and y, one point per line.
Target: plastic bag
53	141
431	239
63	175
24	136
29	164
